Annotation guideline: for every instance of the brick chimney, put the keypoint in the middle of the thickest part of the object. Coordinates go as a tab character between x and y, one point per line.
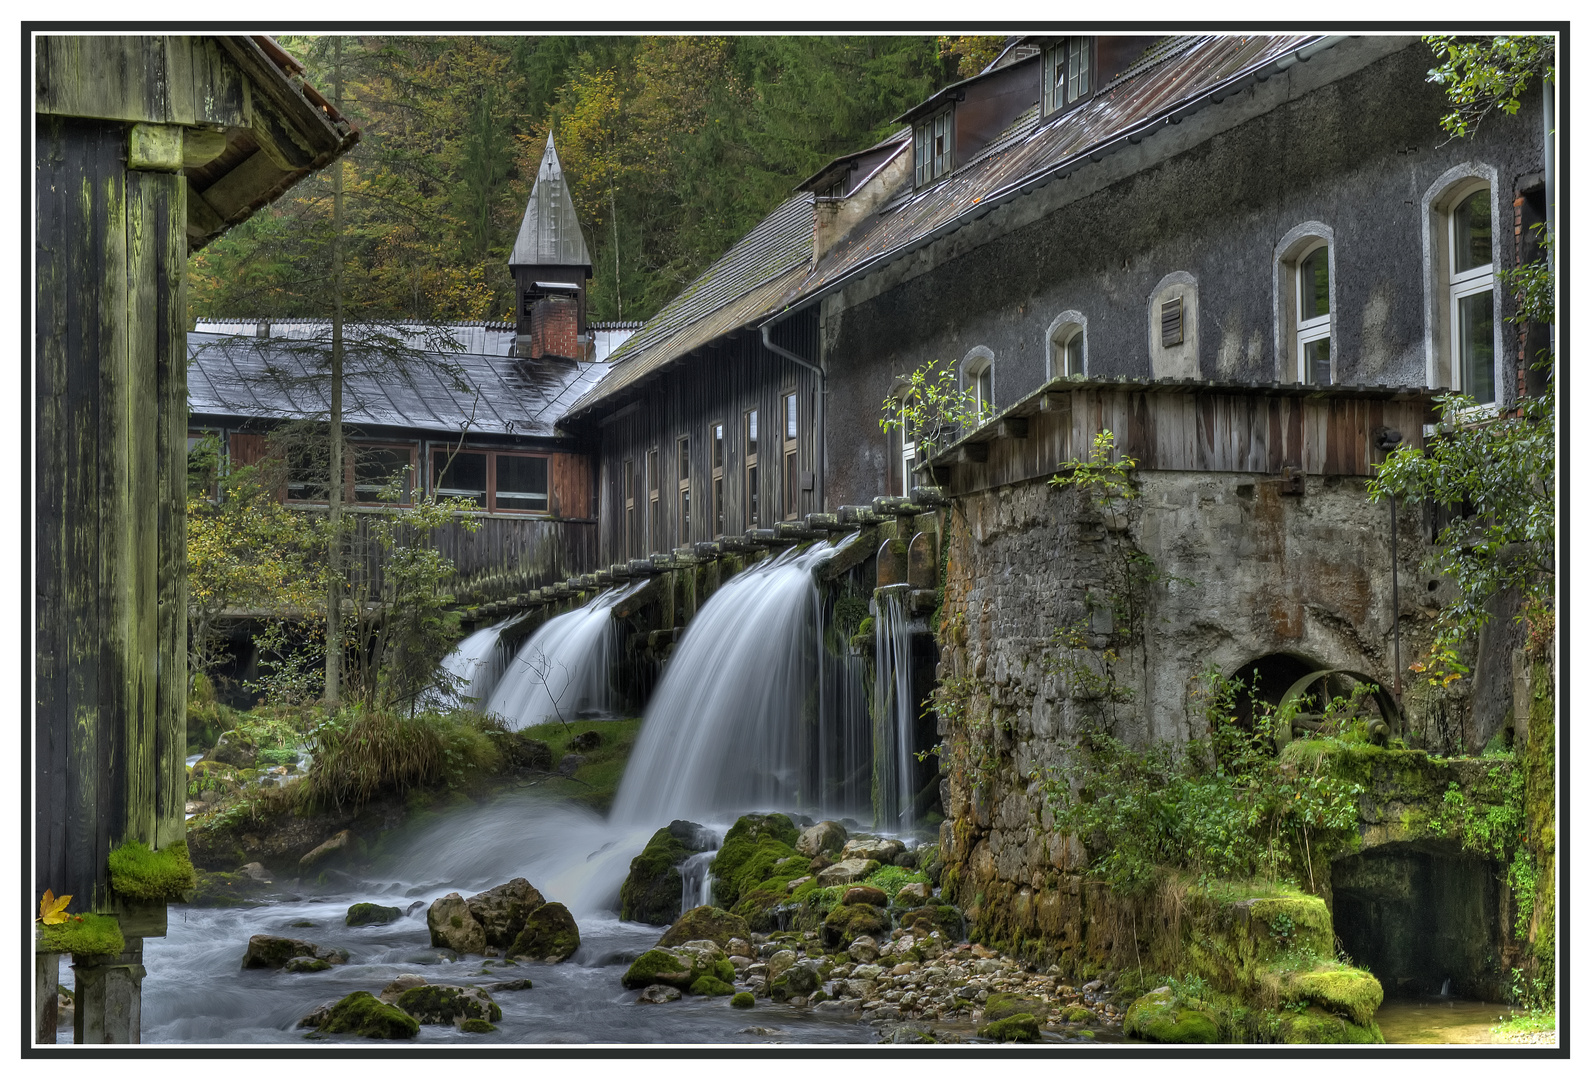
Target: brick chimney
555	328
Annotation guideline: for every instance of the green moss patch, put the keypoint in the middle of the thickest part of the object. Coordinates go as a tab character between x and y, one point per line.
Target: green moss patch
706	923
550	935
476	1026
1316	1025
1160	1017
1340	989
1022	1027
138	873
1000	1006
362	1014
365	914
847	922
596	781
653	966
759	850
651	892
83	935
743	1000
711	986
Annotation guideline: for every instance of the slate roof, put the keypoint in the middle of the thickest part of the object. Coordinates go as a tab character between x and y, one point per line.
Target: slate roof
246	377
549	234
746	284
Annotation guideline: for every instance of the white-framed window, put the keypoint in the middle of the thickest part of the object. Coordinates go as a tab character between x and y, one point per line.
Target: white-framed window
1313	300
1066	345
1463	328
977	374
933	142
1305	284
1068	72
908	440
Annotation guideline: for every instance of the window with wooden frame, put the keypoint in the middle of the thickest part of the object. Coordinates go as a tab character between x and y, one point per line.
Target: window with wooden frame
1068	73
933	142
1068	343
792	475
307	462
496	481
654	502
682	511
627	491
375	467
718	479
753	492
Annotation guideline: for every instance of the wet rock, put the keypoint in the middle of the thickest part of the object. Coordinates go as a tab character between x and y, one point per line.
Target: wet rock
824	837
737	946
706	923
907	1035
550	935
234	750
586	741
780	962
1000	1006
845	923
407	981
863	847
507	986
1022	1027
914	895
680	966
657	994
440	1003
361	1014
847	872
839	1008
502	911
452	925
798	980
341	846
364	914
1159	1017
528	753
255	872
570	763
268	951
301	964
865	894
651	891
863	950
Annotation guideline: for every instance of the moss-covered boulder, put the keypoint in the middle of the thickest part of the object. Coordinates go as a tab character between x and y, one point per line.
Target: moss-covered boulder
865	894
476	1026
270	951
679	967
303	964
847	872
1077	1014
366	914
1020	1027
824	838
757	849
453	927
503	910
651	892
1348	991
798	980
706	923
436	1003
362	1014
550	935
1000	1006
1160	1016
1315	1025
527	753
847	922
711	986
743	1000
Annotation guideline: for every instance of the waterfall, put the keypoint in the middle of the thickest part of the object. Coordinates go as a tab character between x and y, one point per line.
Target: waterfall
697	888
478	662
562	670
844	753
894	712
730	725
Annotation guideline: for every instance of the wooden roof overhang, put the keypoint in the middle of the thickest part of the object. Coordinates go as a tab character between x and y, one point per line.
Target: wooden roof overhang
1187	425
251	127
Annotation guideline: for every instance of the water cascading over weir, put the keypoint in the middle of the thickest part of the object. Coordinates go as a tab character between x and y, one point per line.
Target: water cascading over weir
563	670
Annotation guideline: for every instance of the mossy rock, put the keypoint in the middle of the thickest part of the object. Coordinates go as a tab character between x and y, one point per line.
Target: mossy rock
942	917
1159	1017
476	1026
1315	1025
758	850
270	951
651	891
221	889
550	935
303	964
743	1000
846	923
1076	1014
365	914
706	923
362	1014
137	873
654	966
1020	1027
1353	993
82	935
1000	1006
711	986
796	981
435	1003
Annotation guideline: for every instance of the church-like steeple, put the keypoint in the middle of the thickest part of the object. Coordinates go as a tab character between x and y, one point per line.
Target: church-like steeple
551	265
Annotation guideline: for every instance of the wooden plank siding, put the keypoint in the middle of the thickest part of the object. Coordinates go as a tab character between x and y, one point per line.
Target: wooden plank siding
110	720
141	79
1193	428
720	384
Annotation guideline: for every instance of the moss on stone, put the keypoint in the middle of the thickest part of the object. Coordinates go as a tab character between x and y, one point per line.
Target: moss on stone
476	1026
442	1004
83	935
1000	1006
709	986
550	934
362	1014
1020	1027
366	914
649	966
1160	1017
706	923
137	873
847	922
651	891
1076	1014
1340	989
1315	1025
751	856
743	1000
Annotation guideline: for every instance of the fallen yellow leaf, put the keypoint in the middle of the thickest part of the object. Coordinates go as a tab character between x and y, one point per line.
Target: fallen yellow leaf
52	909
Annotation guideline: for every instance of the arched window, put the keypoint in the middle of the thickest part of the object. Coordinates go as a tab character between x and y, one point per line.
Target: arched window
977	379
1066	345
1461	283
1306	289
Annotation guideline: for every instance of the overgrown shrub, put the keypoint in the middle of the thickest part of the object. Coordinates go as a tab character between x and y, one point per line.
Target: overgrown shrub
359	753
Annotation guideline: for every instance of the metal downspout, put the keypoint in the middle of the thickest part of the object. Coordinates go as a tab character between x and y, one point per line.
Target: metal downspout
823	391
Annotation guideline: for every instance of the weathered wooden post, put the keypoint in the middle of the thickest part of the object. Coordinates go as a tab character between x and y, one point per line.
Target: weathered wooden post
147	147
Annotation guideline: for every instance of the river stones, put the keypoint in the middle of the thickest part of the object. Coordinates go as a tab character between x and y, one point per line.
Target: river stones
863	950
865	894
407	981
657	994
651	892
364	914
1022	1027
780	962
268	951
847	872
440	1003
864	847
681	966
847	922
706	923
453	926
361	1014
798	980
550	935
916	894
502	910
825	836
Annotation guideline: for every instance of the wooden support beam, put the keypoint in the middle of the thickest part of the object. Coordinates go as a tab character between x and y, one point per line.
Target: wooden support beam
1012	427
239	189
155	147
971	454
200	147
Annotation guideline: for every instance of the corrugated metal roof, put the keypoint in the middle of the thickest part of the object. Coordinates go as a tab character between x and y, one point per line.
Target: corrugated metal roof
744	285
549	234
279	377
491	338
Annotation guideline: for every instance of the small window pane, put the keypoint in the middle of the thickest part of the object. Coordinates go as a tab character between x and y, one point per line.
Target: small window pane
684	515
1472	232
718	505
1317	361
790	483
464	477
1073	361
718	446
751	496
684	459
790	427
1475	346
375	467
986	390
1315	285
751	433
521	483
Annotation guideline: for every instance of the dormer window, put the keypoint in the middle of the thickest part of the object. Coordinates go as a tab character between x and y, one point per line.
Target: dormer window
1068	73
933	140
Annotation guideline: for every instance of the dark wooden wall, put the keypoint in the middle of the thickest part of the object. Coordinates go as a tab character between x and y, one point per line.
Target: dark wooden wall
719	384
110	525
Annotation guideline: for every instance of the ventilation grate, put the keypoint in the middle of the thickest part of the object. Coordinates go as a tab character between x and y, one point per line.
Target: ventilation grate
1171	323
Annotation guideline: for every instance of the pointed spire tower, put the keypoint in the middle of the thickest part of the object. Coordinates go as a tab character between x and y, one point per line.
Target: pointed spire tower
551	266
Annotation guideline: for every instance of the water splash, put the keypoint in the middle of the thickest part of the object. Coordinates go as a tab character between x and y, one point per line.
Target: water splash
563	669
697	880
736	721
478	662
894	714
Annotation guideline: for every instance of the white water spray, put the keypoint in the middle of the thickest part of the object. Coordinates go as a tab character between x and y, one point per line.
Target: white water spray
894	712
562	669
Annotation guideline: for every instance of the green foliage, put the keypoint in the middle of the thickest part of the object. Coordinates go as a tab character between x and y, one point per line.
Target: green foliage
743	1000
1485	74
596	781
972	52
360	752
932	409
140	874
891	879
1223	807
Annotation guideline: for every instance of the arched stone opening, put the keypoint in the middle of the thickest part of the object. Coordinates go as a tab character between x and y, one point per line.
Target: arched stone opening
1266	678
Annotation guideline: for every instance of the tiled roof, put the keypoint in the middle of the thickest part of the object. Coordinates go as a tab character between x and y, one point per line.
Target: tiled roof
280	377
738	289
